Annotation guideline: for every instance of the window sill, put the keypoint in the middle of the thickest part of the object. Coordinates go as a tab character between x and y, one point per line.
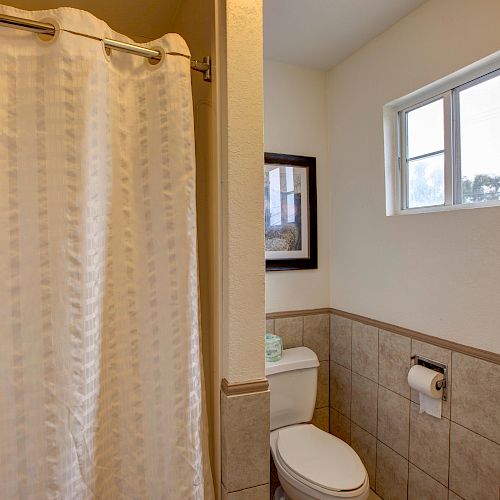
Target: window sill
445	208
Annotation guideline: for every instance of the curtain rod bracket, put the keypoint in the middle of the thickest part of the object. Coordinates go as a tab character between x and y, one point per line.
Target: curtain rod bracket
204	67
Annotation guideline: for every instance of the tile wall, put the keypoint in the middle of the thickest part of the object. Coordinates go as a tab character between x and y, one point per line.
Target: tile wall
365	400
245	446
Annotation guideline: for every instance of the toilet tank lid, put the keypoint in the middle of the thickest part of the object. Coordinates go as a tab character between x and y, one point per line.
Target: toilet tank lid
296	358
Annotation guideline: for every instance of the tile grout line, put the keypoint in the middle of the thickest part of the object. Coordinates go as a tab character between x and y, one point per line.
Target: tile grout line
409	435
329	364
427	474
378	384
350	397
249	488
449	433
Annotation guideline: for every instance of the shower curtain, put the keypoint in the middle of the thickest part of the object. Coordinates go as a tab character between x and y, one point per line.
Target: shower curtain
100	367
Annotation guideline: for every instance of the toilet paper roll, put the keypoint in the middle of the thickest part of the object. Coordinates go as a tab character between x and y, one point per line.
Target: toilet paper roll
424	381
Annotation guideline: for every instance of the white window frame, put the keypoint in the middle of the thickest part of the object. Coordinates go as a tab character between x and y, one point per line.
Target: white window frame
395	138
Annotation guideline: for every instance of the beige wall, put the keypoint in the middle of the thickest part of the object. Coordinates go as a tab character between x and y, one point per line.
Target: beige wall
242	194
438	273
244	407
295	122
195	22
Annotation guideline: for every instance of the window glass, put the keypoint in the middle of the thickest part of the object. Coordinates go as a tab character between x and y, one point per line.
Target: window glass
426	181
480	141
425	129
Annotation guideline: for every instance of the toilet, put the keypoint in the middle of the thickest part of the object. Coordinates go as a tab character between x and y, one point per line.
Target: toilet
311	463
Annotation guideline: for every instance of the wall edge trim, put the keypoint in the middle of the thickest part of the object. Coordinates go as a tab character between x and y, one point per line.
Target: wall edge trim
475	352
300	312
246	387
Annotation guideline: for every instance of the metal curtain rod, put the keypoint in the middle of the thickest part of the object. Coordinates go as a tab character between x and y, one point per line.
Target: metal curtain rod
204	66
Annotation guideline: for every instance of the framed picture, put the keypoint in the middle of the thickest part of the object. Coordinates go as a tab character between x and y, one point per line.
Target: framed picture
291	231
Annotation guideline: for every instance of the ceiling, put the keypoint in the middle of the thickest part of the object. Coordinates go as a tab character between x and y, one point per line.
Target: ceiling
144	19
320	33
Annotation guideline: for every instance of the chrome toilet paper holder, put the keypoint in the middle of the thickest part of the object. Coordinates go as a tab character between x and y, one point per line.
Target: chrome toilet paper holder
436	366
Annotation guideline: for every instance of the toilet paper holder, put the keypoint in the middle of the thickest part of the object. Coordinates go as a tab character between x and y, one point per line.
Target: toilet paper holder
436	366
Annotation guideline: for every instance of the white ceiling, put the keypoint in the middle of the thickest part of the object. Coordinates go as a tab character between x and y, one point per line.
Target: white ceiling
320	33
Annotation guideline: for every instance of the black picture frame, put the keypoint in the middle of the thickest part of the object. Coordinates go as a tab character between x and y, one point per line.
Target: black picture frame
294	263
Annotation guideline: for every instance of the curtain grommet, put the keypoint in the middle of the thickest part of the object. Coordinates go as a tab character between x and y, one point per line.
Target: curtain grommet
45	38
107	51
155	63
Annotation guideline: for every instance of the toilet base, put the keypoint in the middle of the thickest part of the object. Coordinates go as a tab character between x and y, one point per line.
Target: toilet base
280	494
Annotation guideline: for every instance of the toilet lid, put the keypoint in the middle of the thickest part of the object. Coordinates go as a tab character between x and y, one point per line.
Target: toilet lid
320	458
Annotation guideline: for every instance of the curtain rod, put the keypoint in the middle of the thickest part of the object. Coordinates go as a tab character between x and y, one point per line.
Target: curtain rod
204	66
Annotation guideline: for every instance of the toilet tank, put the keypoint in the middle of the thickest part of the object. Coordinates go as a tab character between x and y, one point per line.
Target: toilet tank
292	384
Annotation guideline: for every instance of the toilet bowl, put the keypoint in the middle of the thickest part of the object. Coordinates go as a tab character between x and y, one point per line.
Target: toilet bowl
314	464
311	463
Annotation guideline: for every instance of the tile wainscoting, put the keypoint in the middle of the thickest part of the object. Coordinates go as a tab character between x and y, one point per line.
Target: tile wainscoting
364	399
245	440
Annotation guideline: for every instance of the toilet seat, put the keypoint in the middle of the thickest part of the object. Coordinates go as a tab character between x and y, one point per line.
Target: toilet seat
319	460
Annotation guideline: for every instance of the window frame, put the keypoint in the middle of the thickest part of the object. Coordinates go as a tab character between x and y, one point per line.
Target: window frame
403	159
395	138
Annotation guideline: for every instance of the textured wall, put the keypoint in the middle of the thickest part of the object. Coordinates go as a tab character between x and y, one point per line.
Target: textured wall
436	272
295	119
243	204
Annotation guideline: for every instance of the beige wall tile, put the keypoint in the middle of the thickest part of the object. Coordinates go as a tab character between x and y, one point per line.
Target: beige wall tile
437	354
340	426
453	496
365	445
475	402
430	444
421	486
244	440
317	335
394	362
257	493
365	350
392	474
340	389
393	420
340	340
269	325
321	418
290	330
364	403
474	464
323	390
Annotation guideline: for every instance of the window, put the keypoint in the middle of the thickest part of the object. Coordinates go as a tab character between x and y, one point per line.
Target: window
448	145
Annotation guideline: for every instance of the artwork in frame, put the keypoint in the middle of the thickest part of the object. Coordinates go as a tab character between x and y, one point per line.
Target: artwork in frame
291	231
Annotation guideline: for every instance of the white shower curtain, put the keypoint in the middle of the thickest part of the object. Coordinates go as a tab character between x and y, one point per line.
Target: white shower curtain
100	369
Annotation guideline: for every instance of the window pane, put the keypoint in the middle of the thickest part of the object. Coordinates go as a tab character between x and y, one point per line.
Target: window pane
425	129
480	141
275	197
426	181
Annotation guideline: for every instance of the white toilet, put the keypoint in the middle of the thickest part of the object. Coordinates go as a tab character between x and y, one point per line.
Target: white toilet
311	463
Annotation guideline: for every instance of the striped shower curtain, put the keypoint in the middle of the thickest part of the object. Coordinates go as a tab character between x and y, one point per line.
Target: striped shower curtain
100	370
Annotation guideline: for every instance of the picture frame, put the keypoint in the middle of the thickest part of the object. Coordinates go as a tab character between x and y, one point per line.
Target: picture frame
290	212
